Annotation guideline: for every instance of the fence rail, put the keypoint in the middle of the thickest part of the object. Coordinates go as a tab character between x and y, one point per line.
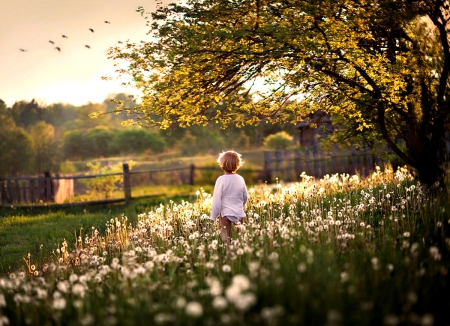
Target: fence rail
290	164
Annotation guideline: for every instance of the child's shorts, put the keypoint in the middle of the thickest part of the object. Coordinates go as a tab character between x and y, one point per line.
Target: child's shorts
234	219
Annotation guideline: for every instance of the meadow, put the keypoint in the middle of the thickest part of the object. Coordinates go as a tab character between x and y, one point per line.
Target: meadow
335	251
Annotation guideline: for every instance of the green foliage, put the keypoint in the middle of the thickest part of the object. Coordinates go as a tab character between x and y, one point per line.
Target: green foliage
380	68
103	187
210	141
186	145
137	141
240	141
27	113
74	145
99	141
201	141
279	141
67	167
45	147
6	117
61	116
84	121
16	152
122	100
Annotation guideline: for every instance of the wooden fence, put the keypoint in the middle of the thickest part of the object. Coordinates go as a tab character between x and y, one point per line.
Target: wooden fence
44	190
290	164
282	165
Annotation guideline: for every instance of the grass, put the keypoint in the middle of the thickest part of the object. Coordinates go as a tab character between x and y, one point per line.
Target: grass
24	230
340	251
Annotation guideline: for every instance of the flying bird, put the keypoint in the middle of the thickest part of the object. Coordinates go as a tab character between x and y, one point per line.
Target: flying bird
52	42
64	36
23	50
87	46
91	30
107	22
120	42
58	48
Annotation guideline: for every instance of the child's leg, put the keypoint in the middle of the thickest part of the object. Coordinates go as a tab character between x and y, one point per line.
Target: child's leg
238	225
225	226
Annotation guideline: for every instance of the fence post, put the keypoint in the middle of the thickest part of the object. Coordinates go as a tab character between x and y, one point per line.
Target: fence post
191	175
126	183
268	167
10	190
49	191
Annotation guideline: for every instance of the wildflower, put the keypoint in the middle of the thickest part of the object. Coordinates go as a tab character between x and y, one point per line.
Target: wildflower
215	288
375	263
427	320
219	303
226	268
245	301
334	317
59	303
63	286
79	290
163	318
268	313
194	309
390	267
180	303
273	256
40	293
344	277
241	281
4	320
434	253
301	268
391	320
73	278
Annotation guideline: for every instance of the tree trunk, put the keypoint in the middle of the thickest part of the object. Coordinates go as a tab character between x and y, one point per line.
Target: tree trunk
426	154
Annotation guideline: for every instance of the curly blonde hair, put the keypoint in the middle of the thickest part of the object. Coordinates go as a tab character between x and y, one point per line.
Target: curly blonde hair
230	161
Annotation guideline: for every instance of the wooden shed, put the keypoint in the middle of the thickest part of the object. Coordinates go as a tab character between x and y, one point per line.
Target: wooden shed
313	127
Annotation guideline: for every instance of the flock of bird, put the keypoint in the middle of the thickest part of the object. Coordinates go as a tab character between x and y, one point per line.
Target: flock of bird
65	36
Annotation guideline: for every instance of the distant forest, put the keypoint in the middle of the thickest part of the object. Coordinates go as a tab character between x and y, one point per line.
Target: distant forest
37	138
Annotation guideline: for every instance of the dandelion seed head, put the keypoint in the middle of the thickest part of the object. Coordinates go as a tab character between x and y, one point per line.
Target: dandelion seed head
194	309
226	268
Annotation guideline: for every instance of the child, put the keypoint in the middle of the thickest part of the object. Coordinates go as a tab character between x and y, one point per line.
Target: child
230	194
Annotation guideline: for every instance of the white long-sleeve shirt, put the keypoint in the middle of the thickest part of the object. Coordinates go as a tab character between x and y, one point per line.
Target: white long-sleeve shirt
229	197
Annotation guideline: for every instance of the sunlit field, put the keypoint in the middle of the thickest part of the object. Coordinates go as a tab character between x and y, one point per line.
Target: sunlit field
336	251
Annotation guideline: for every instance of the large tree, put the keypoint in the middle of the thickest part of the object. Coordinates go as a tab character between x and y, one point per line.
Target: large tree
45	147
380	67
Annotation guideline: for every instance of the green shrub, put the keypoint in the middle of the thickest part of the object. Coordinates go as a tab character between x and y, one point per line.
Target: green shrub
279	141
103	187
67	167
137	141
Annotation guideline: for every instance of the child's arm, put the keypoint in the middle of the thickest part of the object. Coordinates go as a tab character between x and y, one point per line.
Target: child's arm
216	200
245	194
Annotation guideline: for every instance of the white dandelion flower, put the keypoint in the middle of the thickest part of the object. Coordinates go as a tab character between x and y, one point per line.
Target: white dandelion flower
194	309
219	303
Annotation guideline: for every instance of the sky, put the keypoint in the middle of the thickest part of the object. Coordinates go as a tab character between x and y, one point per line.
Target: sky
73	74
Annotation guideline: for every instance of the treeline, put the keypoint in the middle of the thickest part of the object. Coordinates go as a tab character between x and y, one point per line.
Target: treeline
37	138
